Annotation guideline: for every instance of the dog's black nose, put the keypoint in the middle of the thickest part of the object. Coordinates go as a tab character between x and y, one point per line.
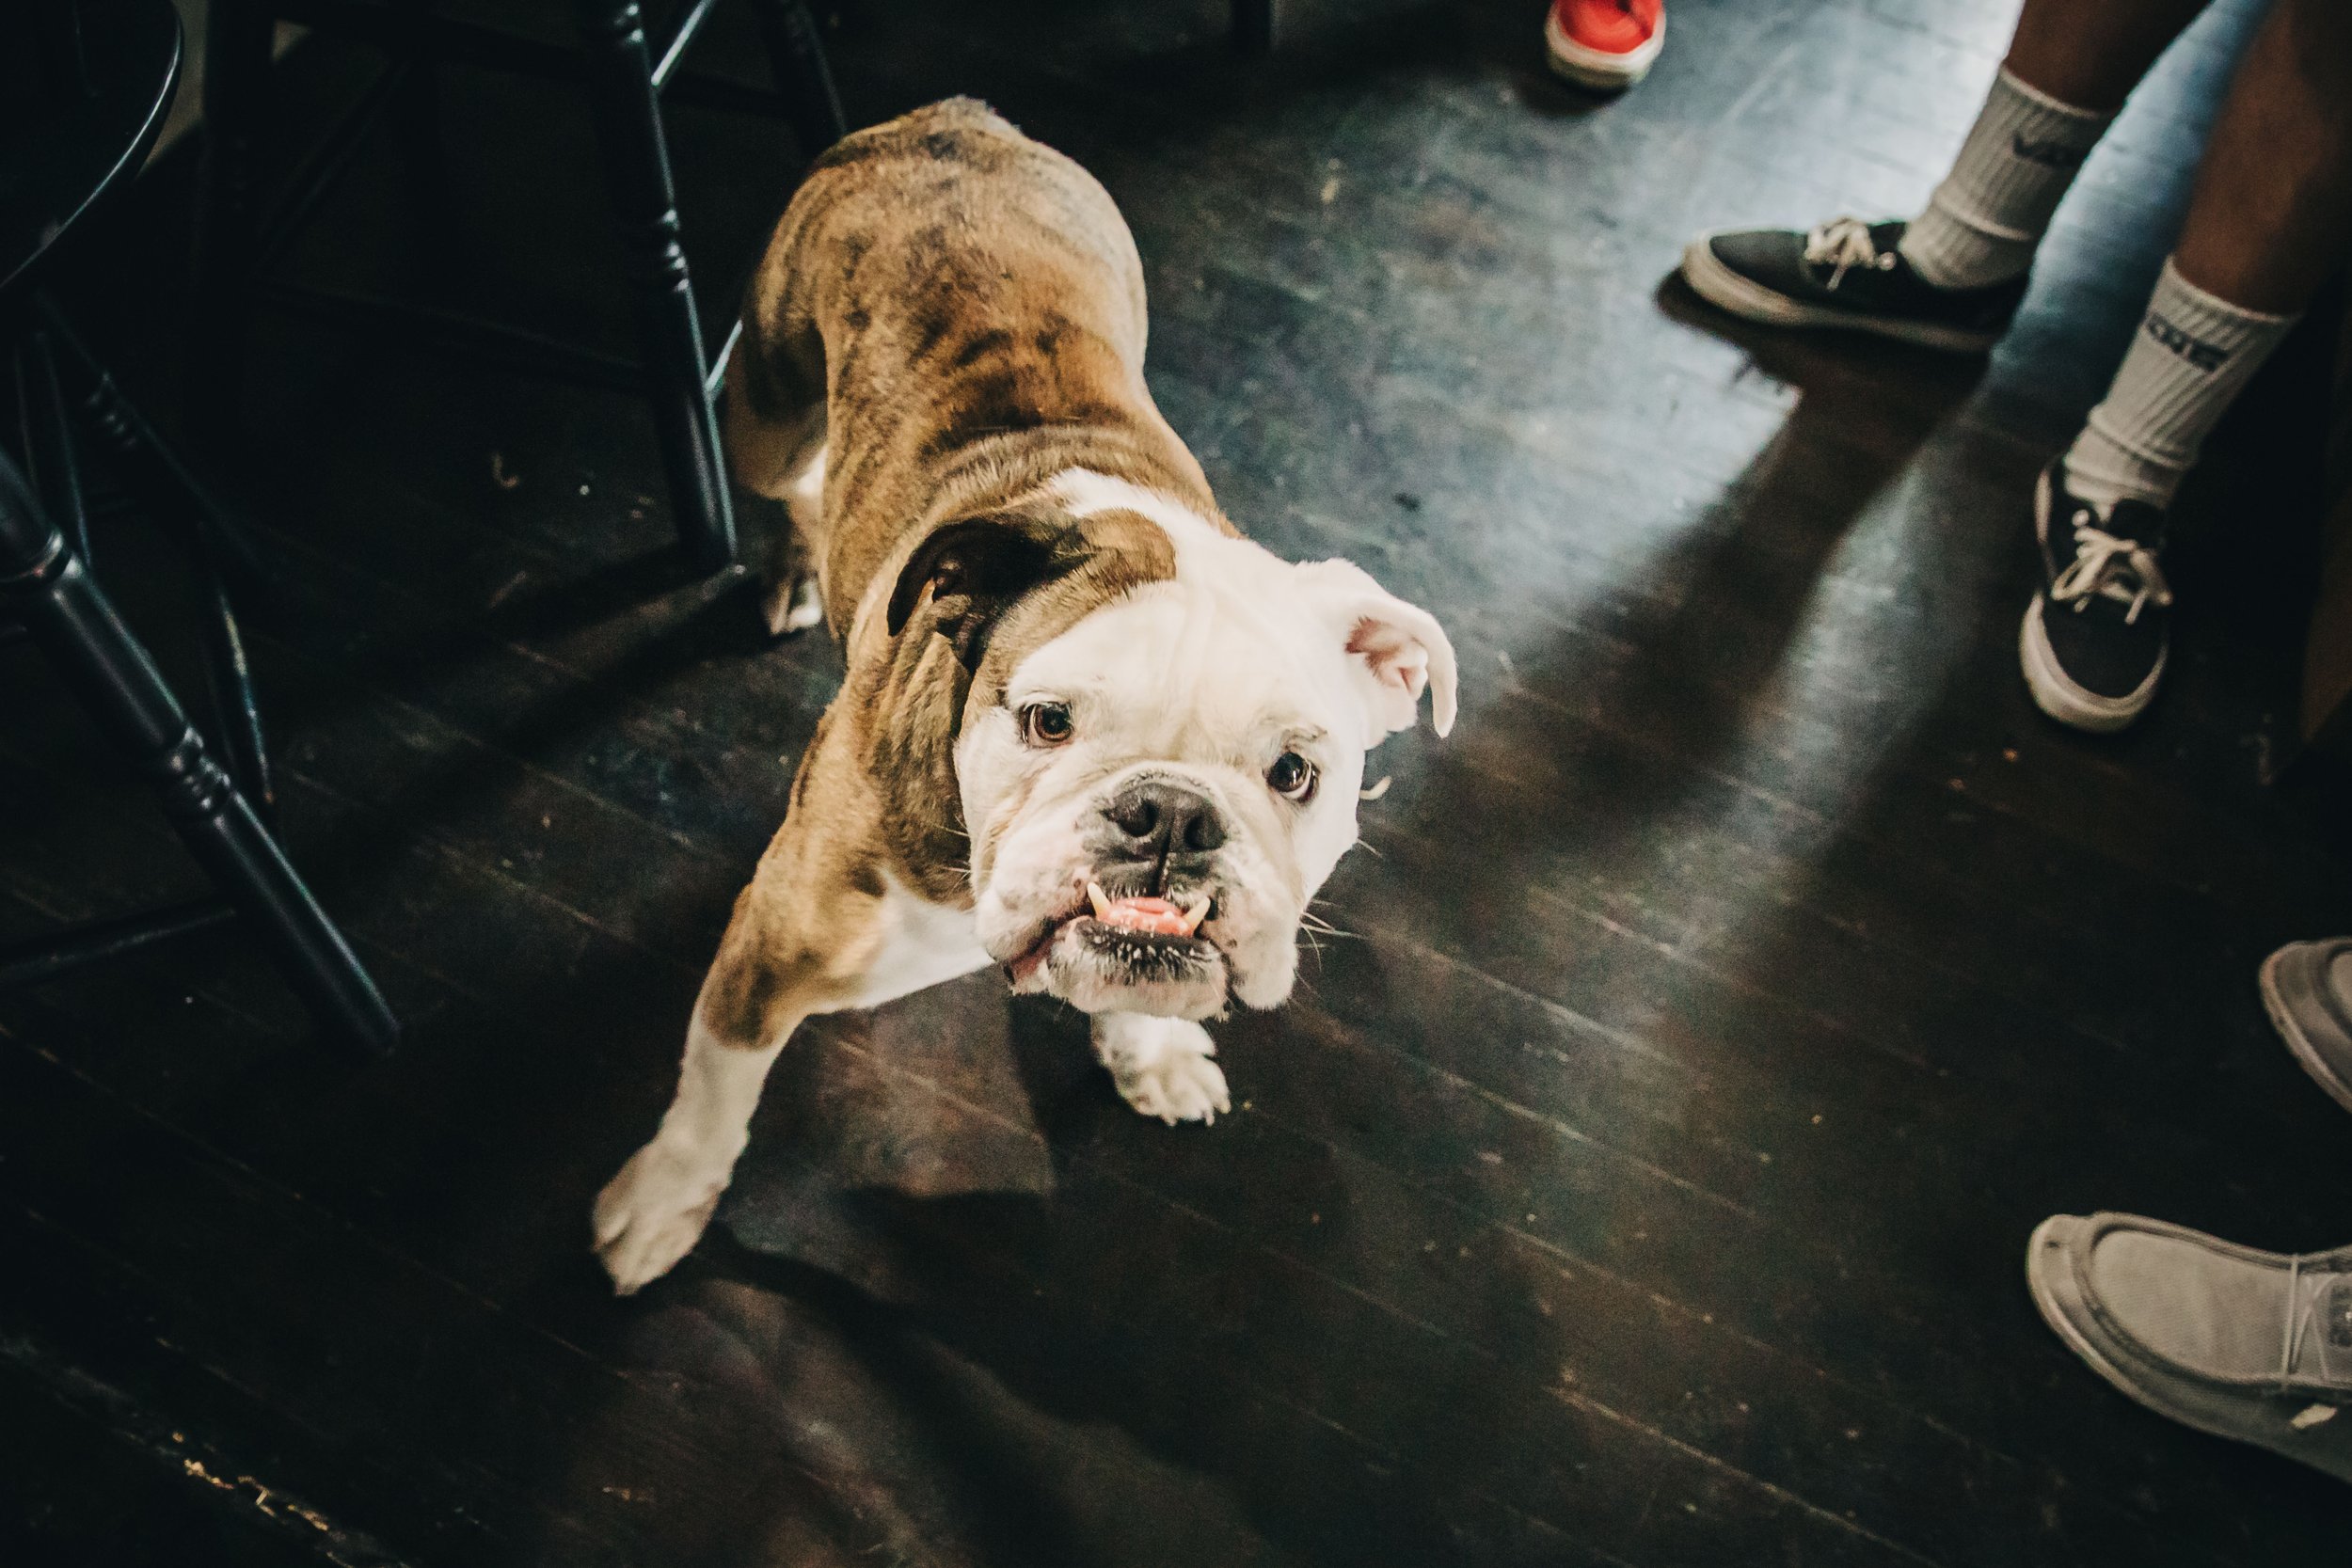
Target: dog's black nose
1161	821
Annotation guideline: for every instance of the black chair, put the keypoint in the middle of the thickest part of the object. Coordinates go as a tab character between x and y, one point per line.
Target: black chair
626	79
1254	26
82	97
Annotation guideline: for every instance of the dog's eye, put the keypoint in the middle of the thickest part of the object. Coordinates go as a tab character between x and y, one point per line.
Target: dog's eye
1047	724
1292	776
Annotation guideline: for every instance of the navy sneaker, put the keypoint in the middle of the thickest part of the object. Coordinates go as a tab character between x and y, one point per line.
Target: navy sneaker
2095	638
1845	273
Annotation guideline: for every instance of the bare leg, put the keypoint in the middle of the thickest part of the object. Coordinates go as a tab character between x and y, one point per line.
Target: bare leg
2071	64
2269	218
2272	211
2068	68
2093	53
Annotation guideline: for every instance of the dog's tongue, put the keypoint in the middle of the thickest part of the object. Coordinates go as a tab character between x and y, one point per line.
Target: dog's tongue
1156	915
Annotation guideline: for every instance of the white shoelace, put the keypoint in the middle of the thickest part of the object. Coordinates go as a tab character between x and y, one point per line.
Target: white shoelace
1842	244
2302	1307
2107	567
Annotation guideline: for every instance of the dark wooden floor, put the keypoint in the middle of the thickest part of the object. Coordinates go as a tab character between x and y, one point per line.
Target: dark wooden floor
1644	1180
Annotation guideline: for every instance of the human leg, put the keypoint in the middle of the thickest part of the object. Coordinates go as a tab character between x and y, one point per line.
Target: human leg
1951	278
2271	216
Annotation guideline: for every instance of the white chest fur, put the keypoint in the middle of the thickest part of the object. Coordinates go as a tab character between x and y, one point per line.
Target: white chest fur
922	945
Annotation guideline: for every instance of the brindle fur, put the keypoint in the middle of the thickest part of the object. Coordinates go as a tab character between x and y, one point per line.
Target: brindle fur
953	314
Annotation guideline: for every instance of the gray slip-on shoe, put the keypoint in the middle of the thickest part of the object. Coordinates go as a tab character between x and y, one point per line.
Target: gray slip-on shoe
2240	1343
2307	985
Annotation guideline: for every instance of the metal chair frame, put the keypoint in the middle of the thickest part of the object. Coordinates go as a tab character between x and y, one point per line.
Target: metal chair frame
625	78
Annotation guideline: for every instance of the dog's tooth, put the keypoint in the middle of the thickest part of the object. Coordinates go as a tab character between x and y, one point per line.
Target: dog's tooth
1196	915
1100	900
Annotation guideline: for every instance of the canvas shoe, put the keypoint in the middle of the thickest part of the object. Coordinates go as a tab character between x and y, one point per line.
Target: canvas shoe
2095	639
1846	274
2255	1346
2307	990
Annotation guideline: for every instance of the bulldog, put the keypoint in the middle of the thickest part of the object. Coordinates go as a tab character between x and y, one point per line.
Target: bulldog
1087	732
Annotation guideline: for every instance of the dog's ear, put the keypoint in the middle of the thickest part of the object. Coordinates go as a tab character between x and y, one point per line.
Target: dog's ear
973	570
1394	650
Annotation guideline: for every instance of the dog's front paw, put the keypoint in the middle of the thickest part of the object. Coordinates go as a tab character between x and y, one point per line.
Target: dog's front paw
653	1212
1162	1065
1177	1088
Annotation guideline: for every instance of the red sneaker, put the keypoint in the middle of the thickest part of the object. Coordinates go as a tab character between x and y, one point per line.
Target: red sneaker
1608	44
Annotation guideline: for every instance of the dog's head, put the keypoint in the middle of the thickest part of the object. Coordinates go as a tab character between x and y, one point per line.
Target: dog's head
1159	766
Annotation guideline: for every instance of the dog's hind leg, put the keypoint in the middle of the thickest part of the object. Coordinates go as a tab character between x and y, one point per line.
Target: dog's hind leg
790	598
773	420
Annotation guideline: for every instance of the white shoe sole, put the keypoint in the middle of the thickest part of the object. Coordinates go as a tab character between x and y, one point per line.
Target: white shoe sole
1595	67
2052	692
2045	1302
2284	1021
2061	698
1720	286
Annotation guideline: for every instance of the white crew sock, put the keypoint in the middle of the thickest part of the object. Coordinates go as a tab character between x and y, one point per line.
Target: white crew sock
1985	220
2193	352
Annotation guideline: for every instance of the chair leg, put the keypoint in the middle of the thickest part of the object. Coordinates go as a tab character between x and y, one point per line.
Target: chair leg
207	533
48	439
237	38
795	60
1253	26
163	479
637	173
43	581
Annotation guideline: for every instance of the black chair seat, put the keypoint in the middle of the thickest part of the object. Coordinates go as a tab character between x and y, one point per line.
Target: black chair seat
83	95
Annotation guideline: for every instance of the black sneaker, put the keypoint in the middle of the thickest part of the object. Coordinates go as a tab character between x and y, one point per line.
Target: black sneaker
2094	641
1846	273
